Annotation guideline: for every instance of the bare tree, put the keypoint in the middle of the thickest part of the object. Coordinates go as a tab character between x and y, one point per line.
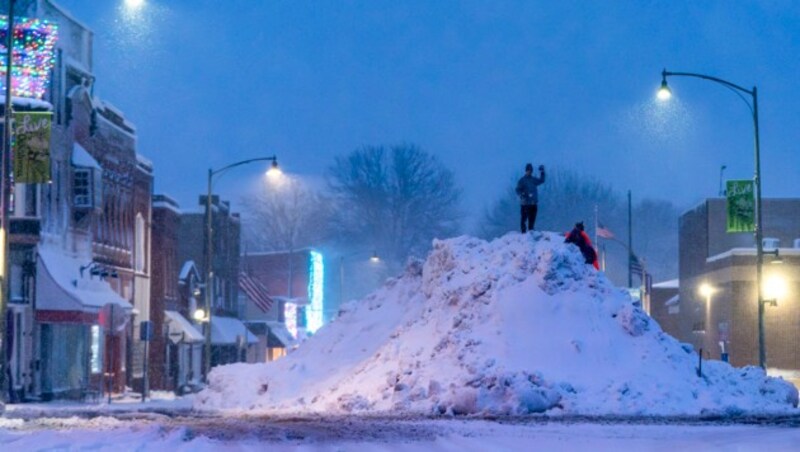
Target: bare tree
564	199
568	197
288	216
394	199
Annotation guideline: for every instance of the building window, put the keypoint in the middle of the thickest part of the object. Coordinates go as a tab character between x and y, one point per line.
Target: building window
97	350
82	193
31	200
140	243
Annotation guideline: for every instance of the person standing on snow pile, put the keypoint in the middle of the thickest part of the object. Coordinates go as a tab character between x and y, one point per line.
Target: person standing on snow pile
529	197
581	239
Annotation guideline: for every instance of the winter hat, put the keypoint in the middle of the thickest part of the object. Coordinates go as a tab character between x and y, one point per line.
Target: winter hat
528	167
579	225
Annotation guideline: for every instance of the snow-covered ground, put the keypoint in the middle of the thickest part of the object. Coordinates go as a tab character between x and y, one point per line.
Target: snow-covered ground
361	435
514	326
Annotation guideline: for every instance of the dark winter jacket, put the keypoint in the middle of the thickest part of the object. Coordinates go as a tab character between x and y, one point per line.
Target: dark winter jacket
526	189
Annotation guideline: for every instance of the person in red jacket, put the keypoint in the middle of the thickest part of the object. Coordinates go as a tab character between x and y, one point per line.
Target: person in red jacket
580	238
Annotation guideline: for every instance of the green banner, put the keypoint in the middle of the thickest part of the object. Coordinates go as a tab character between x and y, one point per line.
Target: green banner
32	147
741	206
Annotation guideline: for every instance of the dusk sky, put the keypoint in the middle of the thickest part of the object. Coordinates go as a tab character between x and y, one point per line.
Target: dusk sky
485	85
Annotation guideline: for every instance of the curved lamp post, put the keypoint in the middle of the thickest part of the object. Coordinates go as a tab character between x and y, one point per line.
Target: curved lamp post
274	170
664	93
373	259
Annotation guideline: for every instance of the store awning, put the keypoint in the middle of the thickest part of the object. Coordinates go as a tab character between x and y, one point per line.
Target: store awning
61	286
181	330
227	331
280	334
82	158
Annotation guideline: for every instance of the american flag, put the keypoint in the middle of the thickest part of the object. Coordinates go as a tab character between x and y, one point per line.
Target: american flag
604	232
255	291
635	265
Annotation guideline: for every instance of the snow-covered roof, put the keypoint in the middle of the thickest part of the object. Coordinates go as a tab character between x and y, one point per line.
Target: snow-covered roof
671	284
82	158
181	329
300	301
116	111
281	332
144	160
750	252
83	292
279	252
186	269
673	301
77	66
130	133
166	205
28	102
68	15
227	330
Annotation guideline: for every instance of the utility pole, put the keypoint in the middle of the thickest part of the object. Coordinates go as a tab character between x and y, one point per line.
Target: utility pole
5	199
630	241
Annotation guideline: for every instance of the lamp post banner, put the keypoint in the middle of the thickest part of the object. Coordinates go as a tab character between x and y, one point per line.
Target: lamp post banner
741	205
32	147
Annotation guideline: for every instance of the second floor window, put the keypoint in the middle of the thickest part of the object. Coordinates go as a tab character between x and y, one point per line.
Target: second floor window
82	188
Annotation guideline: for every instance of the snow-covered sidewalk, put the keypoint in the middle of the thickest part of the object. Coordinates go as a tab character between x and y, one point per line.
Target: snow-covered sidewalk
159	401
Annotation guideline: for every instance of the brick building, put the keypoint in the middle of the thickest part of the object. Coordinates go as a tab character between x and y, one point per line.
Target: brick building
164	293
297	280
80	277
717	305
231	341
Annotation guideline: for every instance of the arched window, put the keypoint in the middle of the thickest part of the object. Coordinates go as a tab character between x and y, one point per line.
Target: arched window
140	243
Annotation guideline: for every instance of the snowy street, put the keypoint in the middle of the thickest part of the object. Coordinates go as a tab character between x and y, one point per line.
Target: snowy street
130	431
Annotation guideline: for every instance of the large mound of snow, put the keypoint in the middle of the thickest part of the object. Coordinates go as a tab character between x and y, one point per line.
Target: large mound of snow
513	326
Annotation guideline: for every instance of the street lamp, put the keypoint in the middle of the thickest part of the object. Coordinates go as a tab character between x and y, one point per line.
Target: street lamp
273	171
706	291
664	93
774	289
373	259
5	205
134	4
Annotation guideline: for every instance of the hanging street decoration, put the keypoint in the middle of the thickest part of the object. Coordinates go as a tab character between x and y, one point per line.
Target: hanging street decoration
31	148
741	206
33	55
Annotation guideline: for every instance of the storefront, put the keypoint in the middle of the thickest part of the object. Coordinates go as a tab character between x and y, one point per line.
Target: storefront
184	353
83	328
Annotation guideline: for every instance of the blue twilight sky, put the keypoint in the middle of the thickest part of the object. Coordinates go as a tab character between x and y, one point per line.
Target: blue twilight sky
484	85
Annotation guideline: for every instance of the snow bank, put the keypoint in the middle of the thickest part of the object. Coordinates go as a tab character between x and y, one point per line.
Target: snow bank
513	326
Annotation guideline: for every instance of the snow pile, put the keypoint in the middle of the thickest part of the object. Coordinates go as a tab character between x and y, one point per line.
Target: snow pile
513	326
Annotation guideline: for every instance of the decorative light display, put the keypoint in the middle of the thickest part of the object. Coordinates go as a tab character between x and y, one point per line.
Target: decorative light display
316	278
290	314
32	58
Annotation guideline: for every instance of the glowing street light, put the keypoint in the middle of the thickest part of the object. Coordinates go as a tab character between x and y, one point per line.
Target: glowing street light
210	247
199	315
706	290
274	170
374	259
664	92
134	4
774	289
752	105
